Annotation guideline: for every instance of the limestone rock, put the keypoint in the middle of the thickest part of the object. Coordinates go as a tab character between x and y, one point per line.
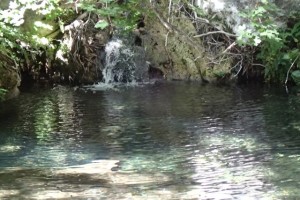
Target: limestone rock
176	53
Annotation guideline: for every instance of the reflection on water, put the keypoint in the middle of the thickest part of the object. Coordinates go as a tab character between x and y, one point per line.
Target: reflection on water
159	141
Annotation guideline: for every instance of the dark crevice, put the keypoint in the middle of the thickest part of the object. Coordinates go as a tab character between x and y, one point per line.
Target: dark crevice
155	73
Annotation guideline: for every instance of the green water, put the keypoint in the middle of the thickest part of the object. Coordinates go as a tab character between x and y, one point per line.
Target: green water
159	141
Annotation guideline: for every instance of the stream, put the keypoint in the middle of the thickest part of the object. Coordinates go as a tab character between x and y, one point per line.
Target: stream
154	141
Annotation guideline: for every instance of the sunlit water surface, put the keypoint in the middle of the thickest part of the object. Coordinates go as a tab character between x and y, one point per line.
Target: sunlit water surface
156	141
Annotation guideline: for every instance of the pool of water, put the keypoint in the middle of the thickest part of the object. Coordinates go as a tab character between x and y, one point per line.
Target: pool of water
156	141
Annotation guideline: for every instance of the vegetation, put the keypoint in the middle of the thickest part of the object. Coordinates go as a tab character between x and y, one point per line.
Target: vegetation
277	45
24	42
2	93
35	34
267	45
16	37
114	13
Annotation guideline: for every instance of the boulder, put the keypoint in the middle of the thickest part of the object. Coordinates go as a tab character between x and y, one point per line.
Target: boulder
174	50
9	77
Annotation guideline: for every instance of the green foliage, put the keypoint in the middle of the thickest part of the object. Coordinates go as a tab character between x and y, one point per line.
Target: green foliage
24	30
263	25
112	13
102	24
279	55
2	94
278	45
296	76
219	74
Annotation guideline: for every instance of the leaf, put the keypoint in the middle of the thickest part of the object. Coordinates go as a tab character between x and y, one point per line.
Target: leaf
89	8
296	76
2	93
259	12
257	41
286	56
102	24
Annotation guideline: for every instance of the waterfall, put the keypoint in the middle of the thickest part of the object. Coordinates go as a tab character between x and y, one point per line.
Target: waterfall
124	63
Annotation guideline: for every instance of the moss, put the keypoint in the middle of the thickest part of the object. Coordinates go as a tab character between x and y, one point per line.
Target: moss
177	54
4	4
8	79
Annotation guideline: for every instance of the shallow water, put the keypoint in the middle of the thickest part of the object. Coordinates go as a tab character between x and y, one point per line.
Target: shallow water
156	141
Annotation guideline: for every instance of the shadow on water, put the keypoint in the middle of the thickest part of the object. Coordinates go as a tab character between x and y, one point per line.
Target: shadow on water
159	141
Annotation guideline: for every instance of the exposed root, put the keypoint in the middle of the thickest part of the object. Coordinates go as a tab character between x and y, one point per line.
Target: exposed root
84	44
219	42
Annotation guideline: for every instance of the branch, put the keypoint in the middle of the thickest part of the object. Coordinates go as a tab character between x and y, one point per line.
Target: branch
166	24
215	32
170	10
288	72
241	67
228	48
257	64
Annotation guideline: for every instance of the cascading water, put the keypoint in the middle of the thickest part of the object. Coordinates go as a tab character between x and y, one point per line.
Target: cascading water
124	63
114	70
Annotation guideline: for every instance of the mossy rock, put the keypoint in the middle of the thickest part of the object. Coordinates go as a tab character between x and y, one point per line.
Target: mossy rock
9	80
